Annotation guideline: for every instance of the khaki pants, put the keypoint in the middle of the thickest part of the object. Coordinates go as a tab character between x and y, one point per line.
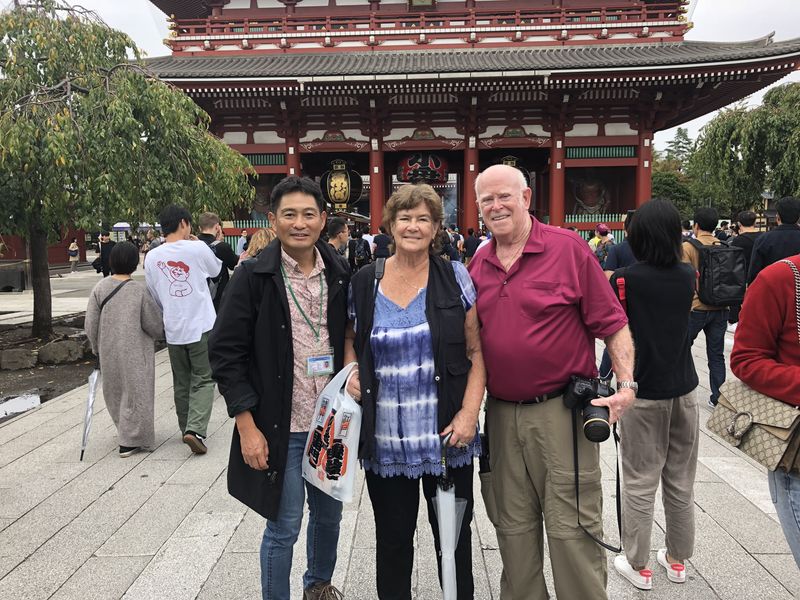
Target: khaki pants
659	442
533	482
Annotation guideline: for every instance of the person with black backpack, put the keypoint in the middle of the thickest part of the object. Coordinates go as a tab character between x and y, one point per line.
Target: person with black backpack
721	283
211	233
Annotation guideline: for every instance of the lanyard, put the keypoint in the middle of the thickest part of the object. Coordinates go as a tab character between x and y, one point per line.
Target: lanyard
288	283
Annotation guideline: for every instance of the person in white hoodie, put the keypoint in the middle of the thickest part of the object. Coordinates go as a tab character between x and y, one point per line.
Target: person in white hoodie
177	274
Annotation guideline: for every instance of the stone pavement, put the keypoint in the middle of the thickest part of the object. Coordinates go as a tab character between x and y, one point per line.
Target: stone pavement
162	526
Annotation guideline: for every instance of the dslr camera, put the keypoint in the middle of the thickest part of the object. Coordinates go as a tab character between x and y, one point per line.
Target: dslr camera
578	397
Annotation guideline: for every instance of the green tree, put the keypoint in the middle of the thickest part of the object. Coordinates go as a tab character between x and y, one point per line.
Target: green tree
673	186
680	147
744	151
87	134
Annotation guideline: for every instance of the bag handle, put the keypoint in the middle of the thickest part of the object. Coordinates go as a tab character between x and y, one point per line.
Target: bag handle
796	273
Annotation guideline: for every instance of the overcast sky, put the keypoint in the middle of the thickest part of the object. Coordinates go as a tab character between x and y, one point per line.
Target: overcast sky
715	20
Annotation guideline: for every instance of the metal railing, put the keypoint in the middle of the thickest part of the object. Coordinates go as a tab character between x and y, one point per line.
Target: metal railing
545	18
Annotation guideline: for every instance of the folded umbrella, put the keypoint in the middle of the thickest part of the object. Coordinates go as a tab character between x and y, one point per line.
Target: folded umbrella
449	514
94	378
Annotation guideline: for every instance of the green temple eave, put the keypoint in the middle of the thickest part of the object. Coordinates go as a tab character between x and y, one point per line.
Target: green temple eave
506	61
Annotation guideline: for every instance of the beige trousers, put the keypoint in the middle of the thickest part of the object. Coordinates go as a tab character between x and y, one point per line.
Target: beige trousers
532	483
659	442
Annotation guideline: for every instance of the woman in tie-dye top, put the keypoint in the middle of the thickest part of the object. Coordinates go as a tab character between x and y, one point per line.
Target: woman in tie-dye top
421	377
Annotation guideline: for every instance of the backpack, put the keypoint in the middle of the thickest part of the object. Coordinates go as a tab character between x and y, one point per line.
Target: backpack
363	255
213	282
722	276
601	250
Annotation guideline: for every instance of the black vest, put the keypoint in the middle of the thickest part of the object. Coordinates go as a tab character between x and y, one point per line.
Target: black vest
446	316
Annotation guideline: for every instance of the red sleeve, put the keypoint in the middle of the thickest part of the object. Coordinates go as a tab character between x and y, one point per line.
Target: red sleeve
756	343
600	309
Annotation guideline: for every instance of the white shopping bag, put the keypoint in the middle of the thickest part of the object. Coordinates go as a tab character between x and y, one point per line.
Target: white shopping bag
331	453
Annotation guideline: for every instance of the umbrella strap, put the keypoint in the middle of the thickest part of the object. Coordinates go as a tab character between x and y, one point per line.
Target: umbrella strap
577	486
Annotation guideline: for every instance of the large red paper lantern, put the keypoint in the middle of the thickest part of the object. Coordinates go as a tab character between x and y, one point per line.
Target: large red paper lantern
422	167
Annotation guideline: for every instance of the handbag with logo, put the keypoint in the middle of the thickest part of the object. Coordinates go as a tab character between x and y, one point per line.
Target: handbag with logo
758	425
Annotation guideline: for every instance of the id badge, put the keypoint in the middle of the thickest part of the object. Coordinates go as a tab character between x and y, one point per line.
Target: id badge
320	365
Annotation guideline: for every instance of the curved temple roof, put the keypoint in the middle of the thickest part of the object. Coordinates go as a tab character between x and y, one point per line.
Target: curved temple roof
506	60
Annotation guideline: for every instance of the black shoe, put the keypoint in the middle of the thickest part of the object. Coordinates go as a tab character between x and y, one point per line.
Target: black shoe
126	451
195	442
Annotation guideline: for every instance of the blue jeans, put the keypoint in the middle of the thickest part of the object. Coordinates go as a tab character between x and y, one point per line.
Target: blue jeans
785	491
325	513
713	323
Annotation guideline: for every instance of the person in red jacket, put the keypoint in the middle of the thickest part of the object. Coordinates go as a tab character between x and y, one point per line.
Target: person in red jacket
766	356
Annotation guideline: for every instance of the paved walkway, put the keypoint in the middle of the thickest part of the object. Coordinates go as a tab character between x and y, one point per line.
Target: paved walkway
161	525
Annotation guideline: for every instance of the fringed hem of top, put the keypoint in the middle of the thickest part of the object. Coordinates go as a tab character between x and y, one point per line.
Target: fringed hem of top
456	457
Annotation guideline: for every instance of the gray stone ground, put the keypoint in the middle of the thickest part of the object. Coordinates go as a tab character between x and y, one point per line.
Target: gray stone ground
162	526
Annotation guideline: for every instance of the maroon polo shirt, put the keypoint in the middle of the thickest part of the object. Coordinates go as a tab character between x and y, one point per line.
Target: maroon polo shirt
539	321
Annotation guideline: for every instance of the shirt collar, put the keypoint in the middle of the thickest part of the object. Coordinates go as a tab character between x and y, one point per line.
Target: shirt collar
534	245
292	267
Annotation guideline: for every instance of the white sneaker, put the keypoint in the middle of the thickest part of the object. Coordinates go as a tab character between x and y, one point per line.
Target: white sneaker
676	572
641	579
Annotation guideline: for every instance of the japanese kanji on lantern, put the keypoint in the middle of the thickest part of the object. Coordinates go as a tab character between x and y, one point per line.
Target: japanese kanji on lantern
422	167
341	186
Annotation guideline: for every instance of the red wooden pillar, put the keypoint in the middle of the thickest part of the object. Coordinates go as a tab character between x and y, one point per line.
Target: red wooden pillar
557	185
293	155
377	194
469	206
644	168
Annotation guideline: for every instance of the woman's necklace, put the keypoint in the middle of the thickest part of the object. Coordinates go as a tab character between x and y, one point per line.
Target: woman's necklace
414	275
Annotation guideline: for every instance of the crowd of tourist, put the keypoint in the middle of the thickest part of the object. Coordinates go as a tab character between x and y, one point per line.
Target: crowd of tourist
442	327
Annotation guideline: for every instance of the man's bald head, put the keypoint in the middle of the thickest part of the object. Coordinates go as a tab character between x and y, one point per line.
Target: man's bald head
505	173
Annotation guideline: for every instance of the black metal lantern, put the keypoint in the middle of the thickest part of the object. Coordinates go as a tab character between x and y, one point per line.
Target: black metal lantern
341	186
513	161
422	167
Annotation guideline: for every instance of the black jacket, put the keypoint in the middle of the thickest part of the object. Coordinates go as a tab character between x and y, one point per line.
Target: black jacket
225	253
446	317
775	245
251	355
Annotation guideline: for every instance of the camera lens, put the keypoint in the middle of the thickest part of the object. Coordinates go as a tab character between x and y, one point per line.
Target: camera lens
595	423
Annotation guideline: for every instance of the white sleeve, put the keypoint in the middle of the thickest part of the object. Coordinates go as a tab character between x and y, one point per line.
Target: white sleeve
211	264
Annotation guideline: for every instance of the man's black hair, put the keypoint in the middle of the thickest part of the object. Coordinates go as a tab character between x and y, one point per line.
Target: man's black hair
686	224
626	225
335	226
382	229
470	231
747	218
292	184
655	234
706	218
171	217
124	258
104	234
723	225
788	210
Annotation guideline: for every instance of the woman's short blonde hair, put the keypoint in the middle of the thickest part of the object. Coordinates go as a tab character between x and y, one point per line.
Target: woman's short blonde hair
410	196
260	240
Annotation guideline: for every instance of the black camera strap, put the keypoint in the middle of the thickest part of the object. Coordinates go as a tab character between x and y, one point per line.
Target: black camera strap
577	486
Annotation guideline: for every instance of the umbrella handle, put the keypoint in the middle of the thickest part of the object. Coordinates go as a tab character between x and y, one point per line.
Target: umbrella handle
444	444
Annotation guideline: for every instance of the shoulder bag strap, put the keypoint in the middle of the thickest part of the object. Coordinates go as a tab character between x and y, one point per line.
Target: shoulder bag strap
796	273
102	305
111	295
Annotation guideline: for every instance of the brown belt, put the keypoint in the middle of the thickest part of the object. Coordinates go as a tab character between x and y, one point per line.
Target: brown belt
536	399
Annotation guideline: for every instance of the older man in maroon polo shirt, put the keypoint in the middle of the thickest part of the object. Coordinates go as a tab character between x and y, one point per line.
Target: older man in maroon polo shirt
542	301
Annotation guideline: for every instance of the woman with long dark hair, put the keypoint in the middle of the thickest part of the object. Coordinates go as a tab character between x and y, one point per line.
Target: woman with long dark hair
660	432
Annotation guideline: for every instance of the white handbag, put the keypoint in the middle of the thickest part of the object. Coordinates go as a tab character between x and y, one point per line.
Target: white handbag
331	454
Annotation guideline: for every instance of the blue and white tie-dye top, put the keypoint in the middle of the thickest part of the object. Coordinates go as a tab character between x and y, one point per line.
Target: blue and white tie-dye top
406	412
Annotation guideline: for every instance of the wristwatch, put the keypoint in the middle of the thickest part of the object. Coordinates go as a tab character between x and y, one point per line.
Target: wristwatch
630	385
